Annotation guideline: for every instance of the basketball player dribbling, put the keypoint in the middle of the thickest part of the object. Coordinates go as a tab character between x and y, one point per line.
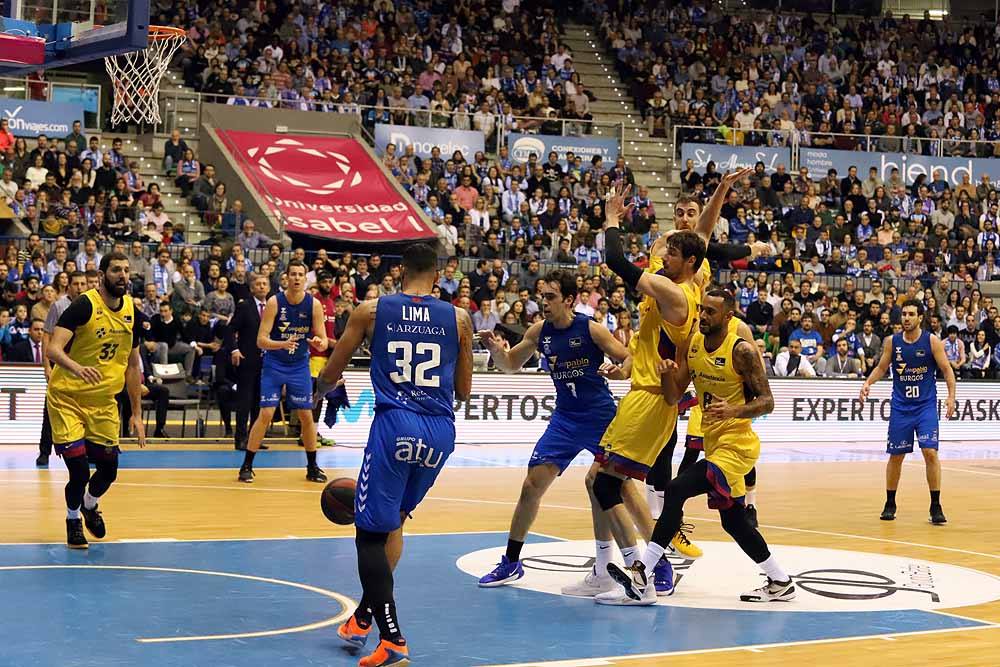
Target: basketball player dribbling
914	414
421	360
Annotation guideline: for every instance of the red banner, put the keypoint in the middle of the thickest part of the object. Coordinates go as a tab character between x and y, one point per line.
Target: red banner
325	186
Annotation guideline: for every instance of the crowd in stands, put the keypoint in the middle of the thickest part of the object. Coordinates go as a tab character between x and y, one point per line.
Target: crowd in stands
432	64
913	85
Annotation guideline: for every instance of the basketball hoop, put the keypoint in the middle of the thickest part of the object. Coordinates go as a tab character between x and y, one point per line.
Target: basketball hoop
136	76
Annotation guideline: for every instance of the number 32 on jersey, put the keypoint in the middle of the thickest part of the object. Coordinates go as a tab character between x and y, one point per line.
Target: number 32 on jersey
421	374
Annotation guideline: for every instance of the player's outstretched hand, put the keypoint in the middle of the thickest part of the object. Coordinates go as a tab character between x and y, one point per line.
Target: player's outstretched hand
318	344
615	207
612	372
289	344
734	177
717	410
666	367
139	429
89	374
490	340
759	249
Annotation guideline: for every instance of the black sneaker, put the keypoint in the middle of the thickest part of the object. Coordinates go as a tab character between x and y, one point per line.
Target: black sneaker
937	515
42	461
752	515
75	539
888	512
246	475
94	522
315	474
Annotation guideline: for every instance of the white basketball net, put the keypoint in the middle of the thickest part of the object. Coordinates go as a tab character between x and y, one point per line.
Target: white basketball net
136	79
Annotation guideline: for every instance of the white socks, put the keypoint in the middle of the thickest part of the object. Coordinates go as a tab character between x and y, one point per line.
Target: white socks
89	501
752	497
773	570
605	554
73	514
630	555
654	552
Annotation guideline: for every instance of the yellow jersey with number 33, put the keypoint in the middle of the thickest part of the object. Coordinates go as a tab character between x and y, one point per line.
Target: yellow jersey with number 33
103	342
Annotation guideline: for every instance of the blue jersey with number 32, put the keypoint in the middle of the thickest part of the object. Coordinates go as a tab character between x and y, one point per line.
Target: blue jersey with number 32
913	374
414	350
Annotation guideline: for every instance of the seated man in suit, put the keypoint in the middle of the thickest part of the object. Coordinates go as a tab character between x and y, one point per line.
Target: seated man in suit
29	351
842	365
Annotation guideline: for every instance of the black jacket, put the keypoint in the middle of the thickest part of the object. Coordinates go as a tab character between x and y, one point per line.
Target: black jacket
242	333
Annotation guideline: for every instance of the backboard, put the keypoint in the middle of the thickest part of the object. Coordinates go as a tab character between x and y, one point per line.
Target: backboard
72	31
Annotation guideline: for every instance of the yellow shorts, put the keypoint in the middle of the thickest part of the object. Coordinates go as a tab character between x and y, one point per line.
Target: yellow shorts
641	427
731	455
695	435
98	422
316	365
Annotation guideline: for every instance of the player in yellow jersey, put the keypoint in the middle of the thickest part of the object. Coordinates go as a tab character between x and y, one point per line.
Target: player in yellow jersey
94	347
730	380
644	421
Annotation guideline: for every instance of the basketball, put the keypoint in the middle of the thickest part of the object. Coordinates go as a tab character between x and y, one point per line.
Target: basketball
337	501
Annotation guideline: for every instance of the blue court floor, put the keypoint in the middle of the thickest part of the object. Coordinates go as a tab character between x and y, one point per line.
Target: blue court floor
160	604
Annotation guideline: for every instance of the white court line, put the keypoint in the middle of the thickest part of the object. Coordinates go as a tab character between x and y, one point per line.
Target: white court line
754	648
248	487
965	470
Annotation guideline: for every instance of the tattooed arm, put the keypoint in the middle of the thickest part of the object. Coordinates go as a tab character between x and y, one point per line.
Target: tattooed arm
747	362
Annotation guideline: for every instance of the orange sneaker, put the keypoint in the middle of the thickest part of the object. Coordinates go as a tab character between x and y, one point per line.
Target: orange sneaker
387	654
351	632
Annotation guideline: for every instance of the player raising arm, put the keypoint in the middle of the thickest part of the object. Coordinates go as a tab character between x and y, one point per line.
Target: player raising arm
914	410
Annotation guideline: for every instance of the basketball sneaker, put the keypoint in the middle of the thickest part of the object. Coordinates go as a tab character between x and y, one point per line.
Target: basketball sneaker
593	584
621	597
246	475
937	515
682	546
75	539
772	591
94	522
888	512
351	632
506	572
327	442
752	515
386	654
663	577
633	578
315	474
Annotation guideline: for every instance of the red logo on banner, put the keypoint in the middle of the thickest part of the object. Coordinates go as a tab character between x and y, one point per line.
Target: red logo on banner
325	186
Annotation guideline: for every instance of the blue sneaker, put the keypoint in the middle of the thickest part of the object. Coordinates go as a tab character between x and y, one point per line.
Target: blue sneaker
663	577
504	573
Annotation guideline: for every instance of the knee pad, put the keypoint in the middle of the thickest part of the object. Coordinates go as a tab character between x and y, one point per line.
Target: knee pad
735	521
608	490
79	469
750	479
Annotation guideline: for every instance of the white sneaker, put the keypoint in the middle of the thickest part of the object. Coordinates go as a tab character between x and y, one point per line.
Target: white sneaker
618	597
772	591
592	584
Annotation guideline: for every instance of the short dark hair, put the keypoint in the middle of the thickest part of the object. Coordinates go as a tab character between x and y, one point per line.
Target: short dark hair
689	199
115	256
566	281
77	274
38	319
419	258
296	262
952	330
689	244
728	300
914	303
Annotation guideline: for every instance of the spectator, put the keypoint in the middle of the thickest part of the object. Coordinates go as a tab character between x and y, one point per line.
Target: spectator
165	339
842	365
791	363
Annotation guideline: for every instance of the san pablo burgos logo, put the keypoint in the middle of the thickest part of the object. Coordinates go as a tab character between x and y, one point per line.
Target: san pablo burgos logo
318	172
828	580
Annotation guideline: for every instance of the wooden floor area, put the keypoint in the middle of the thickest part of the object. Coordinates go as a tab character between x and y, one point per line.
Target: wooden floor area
823	505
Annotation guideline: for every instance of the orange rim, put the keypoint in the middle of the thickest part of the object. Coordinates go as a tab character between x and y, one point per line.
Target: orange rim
161	32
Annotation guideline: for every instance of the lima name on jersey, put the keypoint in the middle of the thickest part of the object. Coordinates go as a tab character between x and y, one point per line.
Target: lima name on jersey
414	351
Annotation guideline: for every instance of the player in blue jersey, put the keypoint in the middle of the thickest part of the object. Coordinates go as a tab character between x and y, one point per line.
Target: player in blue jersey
574	347
914	414
421	360
285	325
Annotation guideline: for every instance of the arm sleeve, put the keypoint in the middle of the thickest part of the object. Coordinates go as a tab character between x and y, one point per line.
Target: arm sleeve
137	328
726	252
617	262
76	315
